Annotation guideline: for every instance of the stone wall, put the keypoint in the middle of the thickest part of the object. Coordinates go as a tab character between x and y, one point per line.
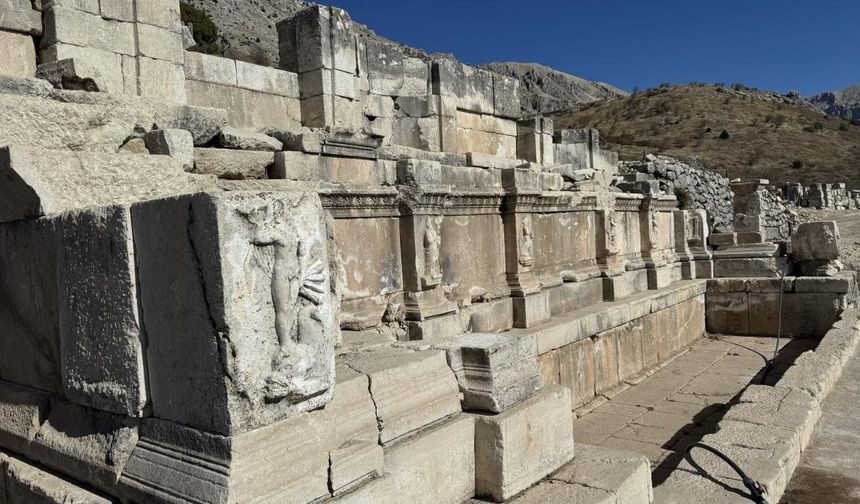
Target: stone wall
697	187
835	196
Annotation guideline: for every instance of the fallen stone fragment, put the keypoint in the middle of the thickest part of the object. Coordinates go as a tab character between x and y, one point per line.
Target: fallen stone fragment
233	138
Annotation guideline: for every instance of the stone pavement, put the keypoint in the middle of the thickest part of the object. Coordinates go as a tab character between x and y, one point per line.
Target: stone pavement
829	469
680	403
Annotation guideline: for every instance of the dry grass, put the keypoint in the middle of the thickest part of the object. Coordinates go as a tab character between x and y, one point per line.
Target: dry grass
762	139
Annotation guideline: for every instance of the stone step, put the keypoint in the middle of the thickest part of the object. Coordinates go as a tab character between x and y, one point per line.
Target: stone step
596	475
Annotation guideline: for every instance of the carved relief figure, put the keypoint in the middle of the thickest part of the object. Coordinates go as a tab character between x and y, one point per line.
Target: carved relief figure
611	232
432	243
297	285
653	236
527	257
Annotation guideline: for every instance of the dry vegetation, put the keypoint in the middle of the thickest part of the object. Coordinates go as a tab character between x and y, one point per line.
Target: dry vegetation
746	134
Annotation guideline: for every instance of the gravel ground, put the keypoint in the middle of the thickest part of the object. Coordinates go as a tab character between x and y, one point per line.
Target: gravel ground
849	230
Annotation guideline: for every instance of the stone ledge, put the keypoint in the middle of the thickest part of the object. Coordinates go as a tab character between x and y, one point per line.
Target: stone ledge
576	325
769	427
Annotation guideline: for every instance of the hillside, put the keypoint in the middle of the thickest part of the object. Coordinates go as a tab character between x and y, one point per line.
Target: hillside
844	104
782	138
545	90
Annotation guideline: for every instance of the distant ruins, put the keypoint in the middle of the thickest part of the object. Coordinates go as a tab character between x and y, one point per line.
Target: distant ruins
361	277
828	196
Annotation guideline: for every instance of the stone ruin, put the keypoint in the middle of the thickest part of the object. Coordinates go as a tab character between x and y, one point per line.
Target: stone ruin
821	196
361	277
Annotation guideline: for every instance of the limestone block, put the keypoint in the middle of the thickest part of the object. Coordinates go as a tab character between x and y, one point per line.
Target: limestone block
494	371
19	16
233	164
419	172
841	285
518	447
471	87
317	37
625	475
69	26
162	13
19	55
160	43
379	106
101	341
531	310
299	166
436	465
104	68
385	67
162	80
121	10
27	483
416	77
88	445
353	464
71	74
804	315
176	143
576	370
787	409
175	463
90	6
213	69
234	138
469	140
259	287
605	349
771	267
422	133
22	411
410	389
49	182
267	80
815	241
245	108
323	81
506	96
29	322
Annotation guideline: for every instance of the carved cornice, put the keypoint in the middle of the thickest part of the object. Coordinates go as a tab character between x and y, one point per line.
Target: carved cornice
364	202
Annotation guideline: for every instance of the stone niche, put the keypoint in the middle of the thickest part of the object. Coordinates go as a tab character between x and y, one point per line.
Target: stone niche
237	304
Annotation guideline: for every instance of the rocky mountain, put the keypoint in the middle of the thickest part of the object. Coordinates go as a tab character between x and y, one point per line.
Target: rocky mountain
737	132
545	90
844	104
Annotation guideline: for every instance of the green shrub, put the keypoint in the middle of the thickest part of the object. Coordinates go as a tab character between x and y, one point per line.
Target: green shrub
205	31
724	135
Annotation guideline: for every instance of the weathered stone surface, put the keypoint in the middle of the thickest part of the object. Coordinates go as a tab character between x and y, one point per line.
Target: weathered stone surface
410	389
243	273
163	13
19	16
101	340
437	465
233	164
626	475
176	143
576	369
88	445
101	69
471	87
233	138
815	241
29	484
162	80
70	26
22	411
30	323
160	43
72	74
494	371
246	108
19	54
518	447
360	172
45	183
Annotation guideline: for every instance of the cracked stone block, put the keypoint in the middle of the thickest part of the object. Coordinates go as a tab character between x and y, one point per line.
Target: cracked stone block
520	446
317	37
47	183
435	465
88	445
494	371
626	475
815	241
244	275
101	339
234	138
470	86
410	389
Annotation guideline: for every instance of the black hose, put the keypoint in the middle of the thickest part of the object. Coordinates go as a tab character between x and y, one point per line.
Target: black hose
756	489
769	365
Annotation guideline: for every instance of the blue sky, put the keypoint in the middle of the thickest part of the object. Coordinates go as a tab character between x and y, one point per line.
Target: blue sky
777	45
